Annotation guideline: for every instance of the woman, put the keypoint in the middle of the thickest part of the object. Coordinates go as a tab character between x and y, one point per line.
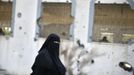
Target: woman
47	61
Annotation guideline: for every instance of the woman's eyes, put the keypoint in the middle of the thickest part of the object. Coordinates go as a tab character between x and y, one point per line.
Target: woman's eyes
57	42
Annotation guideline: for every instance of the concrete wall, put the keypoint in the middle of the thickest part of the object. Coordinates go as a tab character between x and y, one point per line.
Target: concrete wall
56	13
110	18
56	18
17	56
15	59
113	18
100	59
5	14
102	1
106	57
61	30
22	43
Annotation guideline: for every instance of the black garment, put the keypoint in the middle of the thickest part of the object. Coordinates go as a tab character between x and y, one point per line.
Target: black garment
47	61
104	39
1	32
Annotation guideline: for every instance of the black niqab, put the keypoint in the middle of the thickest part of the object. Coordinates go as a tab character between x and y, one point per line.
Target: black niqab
52	44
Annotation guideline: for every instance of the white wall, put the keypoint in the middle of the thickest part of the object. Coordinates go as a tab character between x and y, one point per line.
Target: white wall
16	59
106	57
19	50
102	1
17	53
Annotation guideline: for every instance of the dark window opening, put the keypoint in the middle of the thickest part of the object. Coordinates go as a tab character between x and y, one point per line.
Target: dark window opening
56	18
5	17
114	21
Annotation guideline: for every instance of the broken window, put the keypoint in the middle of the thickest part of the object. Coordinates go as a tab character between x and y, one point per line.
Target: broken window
5	17
113	21
56	18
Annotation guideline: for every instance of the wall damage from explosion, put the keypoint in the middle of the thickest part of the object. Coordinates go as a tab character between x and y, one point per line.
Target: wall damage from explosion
82	25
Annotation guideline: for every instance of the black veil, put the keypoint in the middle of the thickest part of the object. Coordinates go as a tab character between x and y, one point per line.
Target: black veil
52	44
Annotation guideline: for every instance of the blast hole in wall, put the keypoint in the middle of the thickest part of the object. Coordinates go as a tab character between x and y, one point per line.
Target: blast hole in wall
20	28
63	33
19	14
92	61
25	33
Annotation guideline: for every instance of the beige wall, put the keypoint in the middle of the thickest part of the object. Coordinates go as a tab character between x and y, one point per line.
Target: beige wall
112	18
56	13
56	18
5	14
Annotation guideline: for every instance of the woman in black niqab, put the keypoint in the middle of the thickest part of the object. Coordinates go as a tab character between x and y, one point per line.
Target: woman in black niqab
47	61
